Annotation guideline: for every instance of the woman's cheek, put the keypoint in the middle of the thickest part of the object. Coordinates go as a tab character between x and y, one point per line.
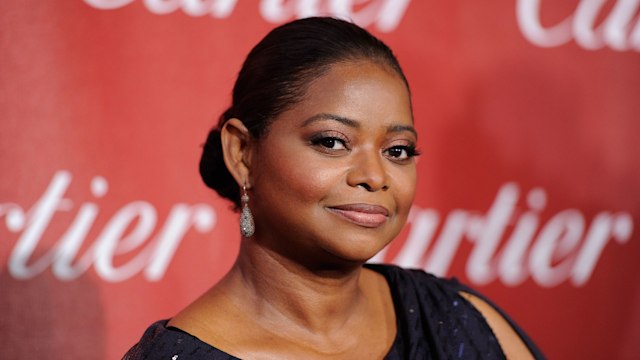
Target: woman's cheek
314	180
298	171
406	181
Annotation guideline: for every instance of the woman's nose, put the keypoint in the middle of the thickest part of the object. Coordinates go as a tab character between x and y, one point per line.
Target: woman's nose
368	172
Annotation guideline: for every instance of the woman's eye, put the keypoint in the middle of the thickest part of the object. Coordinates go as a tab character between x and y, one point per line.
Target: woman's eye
402	152
331	143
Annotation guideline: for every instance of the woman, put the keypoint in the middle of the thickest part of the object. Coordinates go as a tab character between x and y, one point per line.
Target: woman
317	151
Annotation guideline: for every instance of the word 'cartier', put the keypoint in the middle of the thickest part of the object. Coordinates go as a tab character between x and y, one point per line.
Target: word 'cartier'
385	14
508	243
620	30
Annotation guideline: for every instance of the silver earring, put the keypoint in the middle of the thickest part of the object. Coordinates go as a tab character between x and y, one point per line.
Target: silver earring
247	227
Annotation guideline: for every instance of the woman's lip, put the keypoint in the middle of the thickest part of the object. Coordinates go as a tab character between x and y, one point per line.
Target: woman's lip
366	215
363	208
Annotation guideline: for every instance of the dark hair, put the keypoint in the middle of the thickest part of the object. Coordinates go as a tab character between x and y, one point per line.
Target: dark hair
275	76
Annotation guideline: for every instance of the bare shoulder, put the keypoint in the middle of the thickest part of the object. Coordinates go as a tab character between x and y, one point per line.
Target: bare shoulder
510	341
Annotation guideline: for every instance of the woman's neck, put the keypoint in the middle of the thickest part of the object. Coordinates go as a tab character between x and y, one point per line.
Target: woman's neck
282	291
269	305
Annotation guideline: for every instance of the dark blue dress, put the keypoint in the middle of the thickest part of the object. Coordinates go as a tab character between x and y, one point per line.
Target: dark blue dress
433	322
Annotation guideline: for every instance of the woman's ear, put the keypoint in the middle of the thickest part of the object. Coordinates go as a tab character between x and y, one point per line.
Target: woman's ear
236	149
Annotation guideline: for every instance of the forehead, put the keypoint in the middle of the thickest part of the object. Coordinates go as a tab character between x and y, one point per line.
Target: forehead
361	90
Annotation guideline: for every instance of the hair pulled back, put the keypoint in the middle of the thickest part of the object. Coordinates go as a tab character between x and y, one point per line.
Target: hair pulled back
275	75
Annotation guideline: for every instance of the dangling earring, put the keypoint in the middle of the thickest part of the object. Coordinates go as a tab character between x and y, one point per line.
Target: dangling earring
247	227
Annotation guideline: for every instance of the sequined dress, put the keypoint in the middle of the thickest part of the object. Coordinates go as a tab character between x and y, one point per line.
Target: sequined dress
433	322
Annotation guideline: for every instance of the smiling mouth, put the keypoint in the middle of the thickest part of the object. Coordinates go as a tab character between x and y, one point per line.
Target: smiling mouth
365	215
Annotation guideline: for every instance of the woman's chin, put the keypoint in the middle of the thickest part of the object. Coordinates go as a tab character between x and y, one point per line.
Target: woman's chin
357	253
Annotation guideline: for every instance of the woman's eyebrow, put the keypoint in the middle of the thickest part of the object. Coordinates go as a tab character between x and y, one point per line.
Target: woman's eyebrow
402	128
355	124
325	116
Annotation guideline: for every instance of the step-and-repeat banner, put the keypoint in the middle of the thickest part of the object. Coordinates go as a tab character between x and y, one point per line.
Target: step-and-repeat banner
529	185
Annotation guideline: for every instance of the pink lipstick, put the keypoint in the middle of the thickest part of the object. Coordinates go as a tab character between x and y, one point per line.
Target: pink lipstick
365	215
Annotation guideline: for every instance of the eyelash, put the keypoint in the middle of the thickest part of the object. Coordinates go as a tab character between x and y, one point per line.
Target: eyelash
410	150
322	140
326	142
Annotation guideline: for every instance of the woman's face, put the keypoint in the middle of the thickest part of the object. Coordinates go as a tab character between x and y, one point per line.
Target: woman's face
334	177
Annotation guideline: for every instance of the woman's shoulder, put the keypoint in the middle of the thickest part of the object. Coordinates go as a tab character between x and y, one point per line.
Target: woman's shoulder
161	341
449	302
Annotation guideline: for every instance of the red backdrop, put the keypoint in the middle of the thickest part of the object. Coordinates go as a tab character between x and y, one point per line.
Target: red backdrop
528	186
